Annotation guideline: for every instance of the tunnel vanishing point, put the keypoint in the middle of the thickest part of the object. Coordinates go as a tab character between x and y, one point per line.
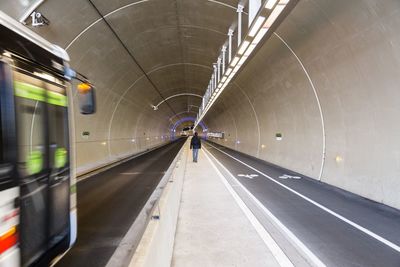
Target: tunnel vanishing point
318	95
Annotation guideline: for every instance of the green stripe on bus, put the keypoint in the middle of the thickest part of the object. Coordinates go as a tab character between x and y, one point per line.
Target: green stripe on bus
29	91
60	157
34	163
57	99
33	92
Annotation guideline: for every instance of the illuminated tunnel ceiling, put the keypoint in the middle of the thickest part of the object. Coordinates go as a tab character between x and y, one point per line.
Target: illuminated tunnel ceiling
174	42
143	53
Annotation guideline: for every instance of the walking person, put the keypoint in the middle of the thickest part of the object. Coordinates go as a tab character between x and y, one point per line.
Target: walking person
195	144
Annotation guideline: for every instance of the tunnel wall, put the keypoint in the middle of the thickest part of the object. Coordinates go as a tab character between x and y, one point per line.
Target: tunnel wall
116	132
175	50
124	123
327	80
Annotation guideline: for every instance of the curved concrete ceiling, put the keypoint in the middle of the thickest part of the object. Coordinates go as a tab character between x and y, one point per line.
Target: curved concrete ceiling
138	54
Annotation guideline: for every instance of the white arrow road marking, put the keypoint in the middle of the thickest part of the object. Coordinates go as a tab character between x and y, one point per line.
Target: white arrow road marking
344	219
250	176
285	176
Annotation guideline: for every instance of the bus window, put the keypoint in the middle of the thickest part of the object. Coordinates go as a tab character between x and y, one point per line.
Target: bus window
58	127
30	97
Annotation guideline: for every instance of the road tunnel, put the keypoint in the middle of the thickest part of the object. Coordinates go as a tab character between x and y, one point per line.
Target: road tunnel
317	95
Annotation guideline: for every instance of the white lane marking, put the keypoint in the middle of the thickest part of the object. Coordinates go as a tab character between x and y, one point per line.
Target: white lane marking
355	225
249	176
311	256
286	176
276	251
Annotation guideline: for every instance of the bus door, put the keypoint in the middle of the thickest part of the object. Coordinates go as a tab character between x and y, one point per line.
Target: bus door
42	165
59	179
32	165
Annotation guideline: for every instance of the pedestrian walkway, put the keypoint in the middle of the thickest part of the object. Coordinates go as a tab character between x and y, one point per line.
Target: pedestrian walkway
214	228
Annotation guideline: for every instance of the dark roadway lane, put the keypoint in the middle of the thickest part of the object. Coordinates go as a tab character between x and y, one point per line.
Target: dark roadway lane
333	241
109	202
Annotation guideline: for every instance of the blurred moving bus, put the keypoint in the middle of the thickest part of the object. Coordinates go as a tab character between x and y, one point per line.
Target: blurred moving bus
37	182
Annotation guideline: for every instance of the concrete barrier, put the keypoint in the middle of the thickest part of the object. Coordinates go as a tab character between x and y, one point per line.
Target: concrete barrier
150	239
156	246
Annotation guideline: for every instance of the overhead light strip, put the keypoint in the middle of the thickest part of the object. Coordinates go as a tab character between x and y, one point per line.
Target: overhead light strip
265	19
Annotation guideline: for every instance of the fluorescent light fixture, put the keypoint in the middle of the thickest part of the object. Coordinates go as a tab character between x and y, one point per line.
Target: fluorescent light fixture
257	32
257	25
242	60
260	35
243	47
249	50
235	61
270	4
274	15
236	69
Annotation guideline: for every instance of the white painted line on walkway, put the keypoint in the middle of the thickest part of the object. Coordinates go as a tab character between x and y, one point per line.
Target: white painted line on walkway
355	225
311	256
276	251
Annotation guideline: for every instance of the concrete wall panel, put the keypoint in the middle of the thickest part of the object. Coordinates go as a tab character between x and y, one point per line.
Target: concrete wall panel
346	55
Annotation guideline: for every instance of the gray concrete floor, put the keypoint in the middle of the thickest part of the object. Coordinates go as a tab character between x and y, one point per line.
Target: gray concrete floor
212	229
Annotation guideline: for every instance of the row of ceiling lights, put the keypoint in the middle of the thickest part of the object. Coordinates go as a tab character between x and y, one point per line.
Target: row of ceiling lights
222	75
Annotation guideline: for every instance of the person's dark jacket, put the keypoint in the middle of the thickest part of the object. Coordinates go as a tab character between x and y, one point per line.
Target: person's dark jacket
195	143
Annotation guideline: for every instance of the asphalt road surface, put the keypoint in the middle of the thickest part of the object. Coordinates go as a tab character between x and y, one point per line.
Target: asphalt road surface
109	202
338	228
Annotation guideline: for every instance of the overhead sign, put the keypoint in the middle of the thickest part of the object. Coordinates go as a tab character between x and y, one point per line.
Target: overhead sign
215	135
